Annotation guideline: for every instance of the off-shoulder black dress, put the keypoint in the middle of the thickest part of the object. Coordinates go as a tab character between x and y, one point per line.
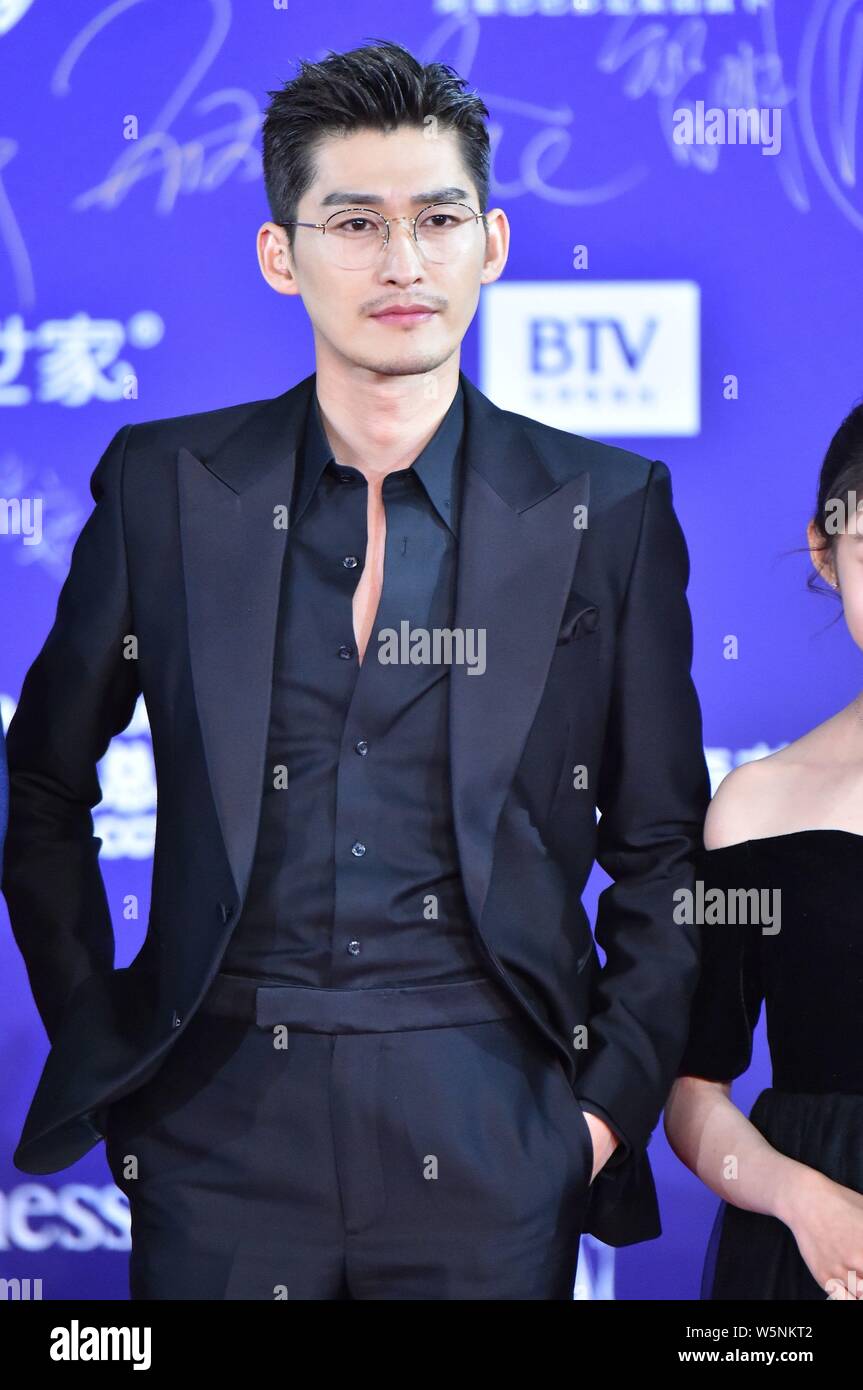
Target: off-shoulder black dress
809	974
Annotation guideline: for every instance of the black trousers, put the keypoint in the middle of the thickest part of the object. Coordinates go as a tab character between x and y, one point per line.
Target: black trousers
419	1143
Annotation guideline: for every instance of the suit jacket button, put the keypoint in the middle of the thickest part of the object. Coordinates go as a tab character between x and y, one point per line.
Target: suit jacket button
227	910
176	1020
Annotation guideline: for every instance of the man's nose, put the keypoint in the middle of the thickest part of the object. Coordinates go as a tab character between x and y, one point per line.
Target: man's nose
402	250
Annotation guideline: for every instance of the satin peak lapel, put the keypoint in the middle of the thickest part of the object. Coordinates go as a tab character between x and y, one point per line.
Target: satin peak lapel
518	546
232	510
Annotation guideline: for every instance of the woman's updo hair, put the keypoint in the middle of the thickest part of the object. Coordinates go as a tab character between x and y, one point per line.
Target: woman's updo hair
841	474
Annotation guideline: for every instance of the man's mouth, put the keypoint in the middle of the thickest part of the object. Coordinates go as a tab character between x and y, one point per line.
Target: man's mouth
413	314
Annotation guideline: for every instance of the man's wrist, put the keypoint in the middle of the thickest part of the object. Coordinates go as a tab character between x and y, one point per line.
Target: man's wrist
618	1148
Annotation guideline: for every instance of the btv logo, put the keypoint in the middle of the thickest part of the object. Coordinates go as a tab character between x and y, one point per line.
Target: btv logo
556	345
606	358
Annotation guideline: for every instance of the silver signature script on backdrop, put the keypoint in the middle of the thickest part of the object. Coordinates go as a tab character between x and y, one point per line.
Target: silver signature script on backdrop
663	60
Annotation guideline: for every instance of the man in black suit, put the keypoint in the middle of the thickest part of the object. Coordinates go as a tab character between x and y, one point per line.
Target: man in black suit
398	647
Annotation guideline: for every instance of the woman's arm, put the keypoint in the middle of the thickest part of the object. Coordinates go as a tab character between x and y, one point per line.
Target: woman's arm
705	1128
725	1150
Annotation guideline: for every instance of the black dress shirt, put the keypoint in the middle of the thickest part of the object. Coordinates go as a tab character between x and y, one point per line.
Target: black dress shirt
356	878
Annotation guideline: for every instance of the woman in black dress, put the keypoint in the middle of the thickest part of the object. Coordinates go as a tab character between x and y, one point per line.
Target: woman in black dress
790	827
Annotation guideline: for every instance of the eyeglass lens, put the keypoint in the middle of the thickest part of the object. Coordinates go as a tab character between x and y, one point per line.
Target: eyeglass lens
356	236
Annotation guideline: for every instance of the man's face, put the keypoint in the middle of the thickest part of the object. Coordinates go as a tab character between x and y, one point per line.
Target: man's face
385	173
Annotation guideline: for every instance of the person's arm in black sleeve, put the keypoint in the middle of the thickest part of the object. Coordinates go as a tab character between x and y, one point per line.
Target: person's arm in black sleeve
79	692
653	794
727	1001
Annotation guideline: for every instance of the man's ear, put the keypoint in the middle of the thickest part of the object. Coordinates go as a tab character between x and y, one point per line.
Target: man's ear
274	259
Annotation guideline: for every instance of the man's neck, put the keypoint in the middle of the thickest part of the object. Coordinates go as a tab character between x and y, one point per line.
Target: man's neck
384	426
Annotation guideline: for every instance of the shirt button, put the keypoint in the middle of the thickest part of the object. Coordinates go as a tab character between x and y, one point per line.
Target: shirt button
354	948
358	850
345	477
350	562
346	653
361	747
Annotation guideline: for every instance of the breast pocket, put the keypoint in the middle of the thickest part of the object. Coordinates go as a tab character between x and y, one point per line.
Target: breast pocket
580	618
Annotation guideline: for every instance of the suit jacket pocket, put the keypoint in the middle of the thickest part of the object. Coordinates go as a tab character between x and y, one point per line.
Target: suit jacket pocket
580	617
574	1118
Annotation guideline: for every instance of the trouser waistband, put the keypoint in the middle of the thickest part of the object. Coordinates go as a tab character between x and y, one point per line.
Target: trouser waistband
391	1009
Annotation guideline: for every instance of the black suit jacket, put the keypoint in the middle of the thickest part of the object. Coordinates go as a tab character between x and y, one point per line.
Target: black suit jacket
173	592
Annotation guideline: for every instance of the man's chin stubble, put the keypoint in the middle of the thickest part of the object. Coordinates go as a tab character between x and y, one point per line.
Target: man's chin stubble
404	365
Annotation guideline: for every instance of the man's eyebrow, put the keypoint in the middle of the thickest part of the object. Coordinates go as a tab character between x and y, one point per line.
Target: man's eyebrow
433	195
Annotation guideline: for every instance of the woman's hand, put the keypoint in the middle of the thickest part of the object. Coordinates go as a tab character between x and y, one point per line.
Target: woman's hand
826	1220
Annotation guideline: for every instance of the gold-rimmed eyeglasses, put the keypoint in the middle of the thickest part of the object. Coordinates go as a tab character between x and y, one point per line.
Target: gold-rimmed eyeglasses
354	237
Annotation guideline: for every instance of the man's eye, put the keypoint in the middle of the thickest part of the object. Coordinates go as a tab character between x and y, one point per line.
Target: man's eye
353	225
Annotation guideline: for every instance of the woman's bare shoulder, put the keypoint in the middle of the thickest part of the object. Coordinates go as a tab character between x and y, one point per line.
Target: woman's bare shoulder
747	800
759	798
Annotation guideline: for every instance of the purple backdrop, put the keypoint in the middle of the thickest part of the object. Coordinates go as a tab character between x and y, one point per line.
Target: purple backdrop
696	302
